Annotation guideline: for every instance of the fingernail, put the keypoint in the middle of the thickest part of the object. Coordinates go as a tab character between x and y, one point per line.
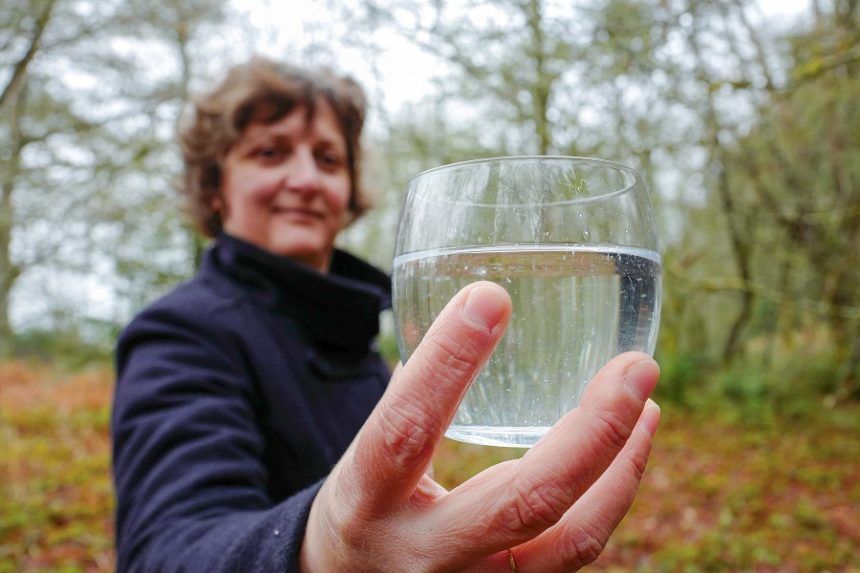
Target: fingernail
642	377
650	417
486	305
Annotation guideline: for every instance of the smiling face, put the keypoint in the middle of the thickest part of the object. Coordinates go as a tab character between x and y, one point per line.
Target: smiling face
286	185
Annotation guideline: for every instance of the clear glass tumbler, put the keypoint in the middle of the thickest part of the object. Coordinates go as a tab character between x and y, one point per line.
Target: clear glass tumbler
572	240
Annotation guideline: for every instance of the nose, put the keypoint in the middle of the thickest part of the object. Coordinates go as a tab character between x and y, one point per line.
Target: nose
302	173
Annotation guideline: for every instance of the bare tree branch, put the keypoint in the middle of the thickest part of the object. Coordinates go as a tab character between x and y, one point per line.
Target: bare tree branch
736	284
19	71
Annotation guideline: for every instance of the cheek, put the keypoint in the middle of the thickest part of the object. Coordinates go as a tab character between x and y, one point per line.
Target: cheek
246	190
338	195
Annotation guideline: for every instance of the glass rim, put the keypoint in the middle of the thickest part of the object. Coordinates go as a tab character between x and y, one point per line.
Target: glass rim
607	163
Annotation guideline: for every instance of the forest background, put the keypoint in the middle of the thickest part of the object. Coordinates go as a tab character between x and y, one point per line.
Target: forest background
744	121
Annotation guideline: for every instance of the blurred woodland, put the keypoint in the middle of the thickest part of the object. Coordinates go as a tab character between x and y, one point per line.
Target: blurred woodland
746	126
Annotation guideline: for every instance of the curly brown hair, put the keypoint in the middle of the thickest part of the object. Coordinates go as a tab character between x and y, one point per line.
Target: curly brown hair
262	90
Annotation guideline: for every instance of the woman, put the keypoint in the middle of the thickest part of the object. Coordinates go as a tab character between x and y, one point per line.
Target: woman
254	426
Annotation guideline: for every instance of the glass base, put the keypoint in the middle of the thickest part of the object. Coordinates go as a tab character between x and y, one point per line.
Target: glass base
503	436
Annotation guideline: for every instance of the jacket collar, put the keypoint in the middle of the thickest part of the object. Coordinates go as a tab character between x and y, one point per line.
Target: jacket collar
338	311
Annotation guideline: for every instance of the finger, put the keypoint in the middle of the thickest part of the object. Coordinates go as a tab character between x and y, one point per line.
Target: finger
583	532
530	496
395	446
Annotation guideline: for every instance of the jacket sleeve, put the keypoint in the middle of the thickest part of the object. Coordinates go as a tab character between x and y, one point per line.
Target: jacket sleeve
188	455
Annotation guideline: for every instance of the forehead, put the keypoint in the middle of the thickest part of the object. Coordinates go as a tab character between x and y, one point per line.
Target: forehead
319	121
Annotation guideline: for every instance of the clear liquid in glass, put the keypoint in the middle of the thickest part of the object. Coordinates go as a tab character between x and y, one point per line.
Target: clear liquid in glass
574	308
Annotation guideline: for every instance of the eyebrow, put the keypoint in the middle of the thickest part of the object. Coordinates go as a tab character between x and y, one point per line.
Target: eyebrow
265	134
248	144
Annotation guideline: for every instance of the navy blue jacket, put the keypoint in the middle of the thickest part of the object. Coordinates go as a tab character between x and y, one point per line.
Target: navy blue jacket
236	394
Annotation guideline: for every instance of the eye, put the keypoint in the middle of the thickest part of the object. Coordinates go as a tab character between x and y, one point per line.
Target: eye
331	160
268	153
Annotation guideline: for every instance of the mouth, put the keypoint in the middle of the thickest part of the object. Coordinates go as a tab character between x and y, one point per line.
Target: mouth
298	212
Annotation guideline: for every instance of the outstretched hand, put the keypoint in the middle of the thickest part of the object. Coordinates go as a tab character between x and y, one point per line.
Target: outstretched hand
555	507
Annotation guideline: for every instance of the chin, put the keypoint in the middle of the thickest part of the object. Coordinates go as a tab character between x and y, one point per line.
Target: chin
301	243
301	252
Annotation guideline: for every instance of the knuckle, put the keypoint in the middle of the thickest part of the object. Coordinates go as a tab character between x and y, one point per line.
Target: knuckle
536	506
612	430
407	439
637	466
581	547
459	359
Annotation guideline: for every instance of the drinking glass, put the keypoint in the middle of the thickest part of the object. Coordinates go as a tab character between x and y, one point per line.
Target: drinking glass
574	243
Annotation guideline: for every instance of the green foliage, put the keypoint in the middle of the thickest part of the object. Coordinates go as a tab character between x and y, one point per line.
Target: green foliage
682	376
388	349
68	348
750	146
758	390
794	389
89	164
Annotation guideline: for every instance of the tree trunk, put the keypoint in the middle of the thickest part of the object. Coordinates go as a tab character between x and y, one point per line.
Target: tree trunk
741	252
848	378
9	271
741	247
14	93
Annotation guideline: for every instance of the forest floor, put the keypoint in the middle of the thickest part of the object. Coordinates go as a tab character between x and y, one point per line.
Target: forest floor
721	494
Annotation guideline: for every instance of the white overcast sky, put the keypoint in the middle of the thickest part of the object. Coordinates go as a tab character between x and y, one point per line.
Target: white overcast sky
405	71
